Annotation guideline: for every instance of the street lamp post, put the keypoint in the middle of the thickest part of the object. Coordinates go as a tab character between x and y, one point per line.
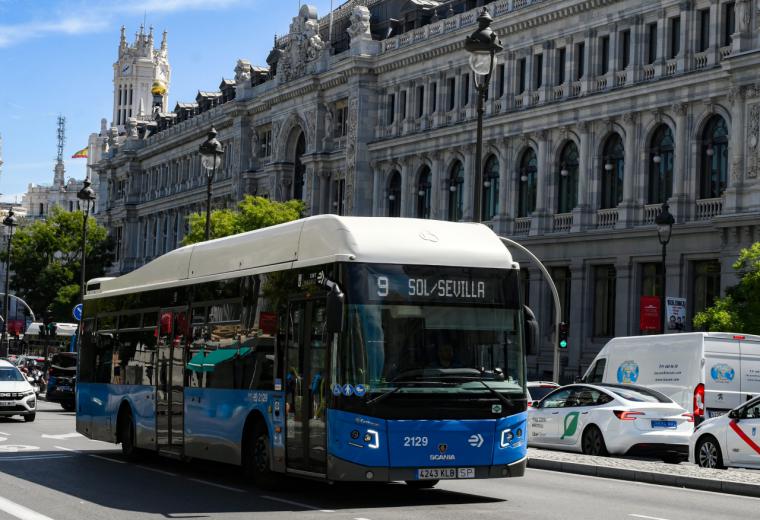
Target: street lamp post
10	221
87	195
211	151
482	45
664	221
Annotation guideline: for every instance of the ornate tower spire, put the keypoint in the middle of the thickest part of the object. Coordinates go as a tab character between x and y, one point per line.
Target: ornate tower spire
122	41
150	38
59	171
164	46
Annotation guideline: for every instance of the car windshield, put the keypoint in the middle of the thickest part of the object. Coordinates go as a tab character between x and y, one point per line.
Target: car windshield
10	374
639	395
64	361
539	392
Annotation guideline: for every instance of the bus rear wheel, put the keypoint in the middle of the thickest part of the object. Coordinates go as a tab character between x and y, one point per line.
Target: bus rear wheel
422	484
258	459
126	429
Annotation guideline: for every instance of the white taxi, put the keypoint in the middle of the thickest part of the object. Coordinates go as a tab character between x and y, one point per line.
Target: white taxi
615	419
729	440
16	394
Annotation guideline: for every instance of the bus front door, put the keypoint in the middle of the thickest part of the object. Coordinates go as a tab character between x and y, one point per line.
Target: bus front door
306	387
172	337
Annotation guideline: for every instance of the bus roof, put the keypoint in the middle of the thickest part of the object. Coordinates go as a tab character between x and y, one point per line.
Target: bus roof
62	329
317	240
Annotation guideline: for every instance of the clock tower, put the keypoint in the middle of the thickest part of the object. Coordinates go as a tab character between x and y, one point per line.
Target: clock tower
134	73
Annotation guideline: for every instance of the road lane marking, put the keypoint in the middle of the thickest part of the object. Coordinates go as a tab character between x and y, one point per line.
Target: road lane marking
36	457
62	436
3	433
645	517
298	504
117	461
13	448
222	486
157	470
19	511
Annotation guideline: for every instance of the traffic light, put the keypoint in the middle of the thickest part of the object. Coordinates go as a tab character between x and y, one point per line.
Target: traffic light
563	330
48	326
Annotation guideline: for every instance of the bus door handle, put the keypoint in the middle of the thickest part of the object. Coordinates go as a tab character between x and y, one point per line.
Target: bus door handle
555	413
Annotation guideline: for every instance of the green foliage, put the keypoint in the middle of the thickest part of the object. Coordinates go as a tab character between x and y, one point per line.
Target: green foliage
739	311
252	213
46	260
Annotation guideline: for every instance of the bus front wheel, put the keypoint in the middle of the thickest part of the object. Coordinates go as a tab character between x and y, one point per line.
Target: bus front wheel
258	463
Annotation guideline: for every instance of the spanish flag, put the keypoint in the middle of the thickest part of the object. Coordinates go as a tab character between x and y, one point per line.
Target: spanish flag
81	154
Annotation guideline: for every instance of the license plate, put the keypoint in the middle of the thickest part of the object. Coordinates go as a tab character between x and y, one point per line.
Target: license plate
7	403
716	413
64	388
445	473
663	424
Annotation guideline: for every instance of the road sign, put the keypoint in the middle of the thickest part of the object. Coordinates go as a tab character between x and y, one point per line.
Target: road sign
77	312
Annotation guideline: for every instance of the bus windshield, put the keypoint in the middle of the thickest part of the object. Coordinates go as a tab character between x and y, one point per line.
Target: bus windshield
433	330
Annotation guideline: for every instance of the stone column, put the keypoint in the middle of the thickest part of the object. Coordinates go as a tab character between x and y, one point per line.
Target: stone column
437	200
713	49
638	38
377	188
469	183
589	62
406	196
540	218
578	313
733	201
742	38
582	213
685	37
504	216
678	200
627	208
623	297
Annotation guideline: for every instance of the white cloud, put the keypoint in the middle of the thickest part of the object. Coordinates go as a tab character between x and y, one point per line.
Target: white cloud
95	17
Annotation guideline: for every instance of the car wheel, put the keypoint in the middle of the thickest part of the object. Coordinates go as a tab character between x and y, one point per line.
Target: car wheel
421	484
708	453
30	417
258	459
592	442
69	407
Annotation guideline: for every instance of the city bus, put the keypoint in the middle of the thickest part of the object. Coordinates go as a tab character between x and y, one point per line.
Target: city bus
337	348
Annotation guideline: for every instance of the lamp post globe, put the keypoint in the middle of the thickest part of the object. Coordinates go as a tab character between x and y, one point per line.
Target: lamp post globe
10	221
664	222
211	151
483	44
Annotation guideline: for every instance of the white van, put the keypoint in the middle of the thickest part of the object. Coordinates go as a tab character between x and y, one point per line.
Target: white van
707	372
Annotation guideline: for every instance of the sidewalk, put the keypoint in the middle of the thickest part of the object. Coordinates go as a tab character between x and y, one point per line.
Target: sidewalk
734	481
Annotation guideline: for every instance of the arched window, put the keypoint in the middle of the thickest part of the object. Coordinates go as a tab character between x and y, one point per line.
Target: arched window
661	165
299	169
456	192
394	195
567	192
714	160
490	188
526	198
423	193
612	171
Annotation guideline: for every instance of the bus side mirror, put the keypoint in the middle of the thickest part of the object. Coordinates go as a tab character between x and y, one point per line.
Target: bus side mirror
531	331
334	310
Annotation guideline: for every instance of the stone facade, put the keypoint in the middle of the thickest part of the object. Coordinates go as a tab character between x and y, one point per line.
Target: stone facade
598	112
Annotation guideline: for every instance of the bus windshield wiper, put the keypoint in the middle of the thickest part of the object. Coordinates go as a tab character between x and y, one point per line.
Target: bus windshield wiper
400	385
506	400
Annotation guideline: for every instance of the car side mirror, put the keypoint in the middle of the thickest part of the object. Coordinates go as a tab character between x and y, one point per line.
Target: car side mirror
334	310
535	404
734	414
531	331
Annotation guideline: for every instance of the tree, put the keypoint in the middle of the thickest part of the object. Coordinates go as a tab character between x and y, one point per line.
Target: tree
739	311
252	213
46	261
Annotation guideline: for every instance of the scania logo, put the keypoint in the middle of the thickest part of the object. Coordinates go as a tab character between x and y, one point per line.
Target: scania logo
442	448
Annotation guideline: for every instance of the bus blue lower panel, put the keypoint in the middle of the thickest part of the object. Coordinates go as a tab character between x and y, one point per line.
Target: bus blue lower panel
98	407
356	443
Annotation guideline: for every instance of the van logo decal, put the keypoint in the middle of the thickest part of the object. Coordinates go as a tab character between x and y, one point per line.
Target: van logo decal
722	373
571	424
628	372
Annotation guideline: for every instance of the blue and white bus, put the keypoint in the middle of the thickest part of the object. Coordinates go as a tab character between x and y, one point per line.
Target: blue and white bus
346	349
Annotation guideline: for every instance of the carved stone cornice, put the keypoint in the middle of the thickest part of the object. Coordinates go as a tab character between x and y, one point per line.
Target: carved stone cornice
629	118
679	109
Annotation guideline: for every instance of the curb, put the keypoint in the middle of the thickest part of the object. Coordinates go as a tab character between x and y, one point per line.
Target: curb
649	477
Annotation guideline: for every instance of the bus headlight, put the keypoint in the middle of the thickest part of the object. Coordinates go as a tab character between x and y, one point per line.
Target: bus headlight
372	438
506	438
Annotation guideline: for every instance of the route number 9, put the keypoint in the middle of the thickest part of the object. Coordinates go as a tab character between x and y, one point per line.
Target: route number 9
382	286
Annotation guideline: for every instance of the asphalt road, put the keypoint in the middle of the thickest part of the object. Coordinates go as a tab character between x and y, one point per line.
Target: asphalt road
47	471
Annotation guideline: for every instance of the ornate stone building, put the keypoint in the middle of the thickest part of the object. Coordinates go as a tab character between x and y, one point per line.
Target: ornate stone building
599	111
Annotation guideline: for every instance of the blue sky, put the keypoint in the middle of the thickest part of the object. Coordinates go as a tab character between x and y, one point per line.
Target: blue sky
56	57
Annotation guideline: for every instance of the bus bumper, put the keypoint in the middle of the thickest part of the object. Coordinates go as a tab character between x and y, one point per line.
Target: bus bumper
344	471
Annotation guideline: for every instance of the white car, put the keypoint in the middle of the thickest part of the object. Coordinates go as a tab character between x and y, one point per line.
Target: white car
16	394
729	440
615	419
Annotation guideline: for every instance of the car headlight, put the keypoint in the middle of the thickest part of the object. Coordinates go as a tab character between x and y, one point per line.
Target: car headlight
28	392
